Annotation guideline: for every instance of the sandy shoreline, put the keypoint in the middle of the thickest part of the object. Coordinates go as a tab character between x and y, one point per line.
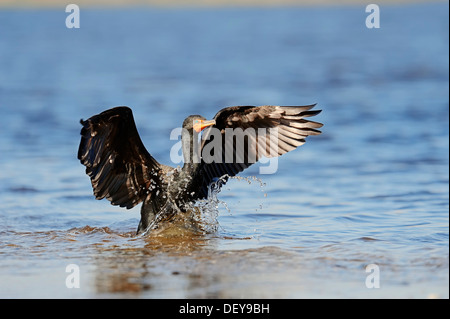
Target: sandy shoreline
199	3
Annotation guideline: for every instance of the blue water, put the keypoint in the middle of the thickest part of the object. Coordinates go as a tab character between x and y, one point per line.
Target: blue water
372	189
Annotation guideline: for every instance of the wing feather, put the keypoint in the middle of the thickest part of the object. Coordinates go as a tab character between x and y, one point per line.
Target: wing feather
285	125
119	166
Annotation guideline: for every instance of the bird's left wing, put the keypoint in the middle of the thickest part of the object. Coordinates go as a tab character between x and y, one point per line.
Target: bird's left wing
120	167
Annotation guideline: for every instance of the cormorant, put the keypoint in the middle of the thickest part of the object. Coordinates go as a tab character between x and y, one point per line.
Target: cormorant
122	170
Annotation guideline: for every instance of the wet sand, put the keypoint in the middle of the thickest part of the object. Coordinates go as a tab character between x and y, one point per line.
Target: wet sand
113	264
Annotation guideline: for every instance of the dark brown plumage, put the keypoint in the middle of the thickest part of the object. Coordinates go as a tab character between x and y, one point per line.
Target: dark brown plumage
123	171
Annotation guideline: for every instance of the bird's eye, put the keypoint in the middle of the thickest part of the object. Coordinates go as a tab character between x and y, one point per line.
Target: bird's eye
196	121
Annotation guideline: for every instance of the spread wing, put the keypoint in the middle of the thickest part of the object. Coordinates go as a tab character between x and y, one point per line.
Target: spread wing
116	160
268	131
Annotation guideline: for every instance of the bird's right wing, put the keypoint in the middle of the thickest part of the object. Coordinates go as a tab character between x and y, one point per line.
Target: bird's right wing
120	167
284	129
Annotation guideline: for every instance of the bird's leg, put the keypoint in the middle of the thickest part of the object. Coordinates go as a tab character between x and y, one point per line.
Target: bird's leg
147	216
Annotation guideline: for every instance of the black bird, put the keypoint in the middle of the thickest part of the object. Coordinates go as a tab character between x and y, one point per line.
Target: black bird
123	171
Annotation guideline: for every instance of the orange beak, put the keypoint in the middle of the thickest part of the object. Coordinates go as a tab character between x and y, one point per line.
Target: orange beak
199	125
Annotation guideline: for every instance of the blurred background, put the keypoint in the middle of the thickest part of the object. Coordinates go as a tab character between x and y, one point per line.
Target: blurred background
373	188
202	3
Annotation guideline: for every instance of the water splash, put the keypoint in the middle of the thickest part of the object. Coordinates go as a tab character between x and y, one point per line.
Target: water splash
200	217
209	208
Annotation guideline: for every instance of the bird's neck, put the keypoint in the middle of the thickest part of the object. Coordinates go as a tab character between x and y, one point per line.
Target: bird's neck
191	150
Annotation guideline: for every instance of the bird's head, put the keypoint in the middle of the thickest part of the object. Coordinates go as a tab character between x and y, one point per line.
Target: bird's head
197	123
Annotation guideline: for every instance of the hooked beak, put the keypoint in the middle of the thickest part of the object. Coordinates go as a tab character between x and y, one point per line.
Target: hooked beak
199	125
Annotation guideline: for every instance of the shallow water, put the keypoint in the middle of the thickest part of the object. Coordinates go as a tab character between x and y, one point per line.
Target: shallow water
372	189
